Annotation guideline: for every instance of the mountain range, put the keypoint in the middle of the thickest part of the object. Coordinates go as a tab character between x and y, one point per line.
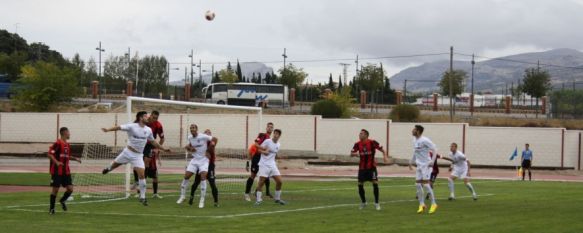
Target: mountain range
565	66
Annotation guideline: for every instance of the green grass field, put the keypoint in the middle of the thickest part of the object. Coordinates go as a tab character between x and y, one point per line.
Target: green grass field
313	206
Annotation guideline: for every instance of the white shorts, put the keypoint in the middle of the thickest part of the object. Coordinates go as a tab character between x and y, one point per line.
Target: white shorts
268	171
128	156
198	166
461	173
423	172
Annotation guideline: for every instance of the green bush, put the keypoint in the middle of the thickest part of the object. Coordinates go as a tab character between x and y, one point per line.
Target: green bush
405	113
327	108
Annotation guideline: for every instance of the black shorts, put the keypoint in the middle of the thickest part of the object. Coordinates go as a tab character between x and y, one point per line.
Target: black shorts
151	173
148	150
255	163
433	177
367	175
211	172
526	164
61	180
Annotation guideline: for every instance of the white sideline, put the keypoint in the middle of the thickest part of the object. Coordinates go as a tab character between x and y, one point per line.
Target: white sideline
235	215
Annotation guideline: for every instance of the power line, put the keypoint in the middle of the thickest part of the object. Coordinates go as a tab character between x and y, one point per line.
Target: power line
521	62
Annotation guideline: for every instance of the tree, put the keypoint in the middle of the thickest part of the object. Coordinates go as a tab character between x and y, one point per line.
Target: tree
239	73
370	78
45	84
228	76
536	83
258	78
267	78
340	83
216	78
458	77
292	76
330	82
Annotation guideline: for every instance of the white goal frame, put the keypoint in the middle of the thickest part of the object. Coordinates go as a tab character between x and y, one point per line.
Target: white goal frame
129	100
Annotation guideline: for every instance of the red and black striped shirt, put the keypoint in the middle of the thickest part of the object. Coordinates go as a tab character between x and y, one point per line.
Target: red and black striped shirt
259	140
211	150
157	129
366	150
62	153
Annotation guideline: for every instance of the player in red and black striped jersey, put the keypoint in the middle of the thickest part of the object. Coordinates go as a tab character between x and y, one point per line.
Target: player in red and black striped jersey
151	154
211	176
255	157
59	156
367	168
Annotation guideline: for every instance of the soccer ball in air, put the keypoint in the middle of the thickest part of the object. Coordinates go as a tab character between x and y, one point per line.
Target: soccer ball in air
209	15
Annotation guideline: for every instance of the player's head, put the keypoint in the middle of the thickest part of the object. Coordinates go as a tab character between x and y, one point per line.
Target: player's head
141	117
208	132
363	134
193	129
526	146
64	132
276	134
269	128
154	116
453	147
418	130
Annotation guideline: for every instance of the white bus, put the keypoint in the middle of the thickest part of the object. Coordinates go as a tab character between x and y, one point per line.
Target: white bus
247	94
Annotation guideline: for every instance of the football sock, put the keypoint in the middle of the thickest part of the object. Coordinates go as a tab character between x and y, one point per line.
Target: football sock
183	187
375	188
249	184
202	189
277	194
214	190
155	186
451	186
142	185
420	193
259	196
267	187
361	193
430	191
53	198
65	196
471	188
194	185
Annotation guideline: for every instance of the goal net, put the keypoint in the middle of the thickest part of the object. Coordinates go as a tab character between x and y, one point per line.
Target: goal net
235	127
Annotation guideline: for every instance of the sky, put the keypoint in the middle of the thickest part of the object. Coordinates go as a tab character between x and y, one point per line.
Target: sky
329	31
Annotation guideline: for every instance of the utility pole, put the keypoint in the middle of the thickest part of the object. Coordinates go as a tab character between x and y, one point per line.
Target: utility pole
100	79
451	110
284	55
129	55
200	73
356	61
191	65
405	91
473	97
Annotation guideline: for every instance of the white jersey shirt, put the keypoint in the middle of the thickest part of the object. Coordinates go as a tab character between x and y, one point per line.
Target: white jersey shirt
272	149
137	136
422	146
459	160
200	144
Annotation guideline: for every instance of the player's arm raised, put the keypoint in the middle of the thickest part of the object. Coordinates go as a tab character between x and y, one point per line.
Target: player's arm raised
114	128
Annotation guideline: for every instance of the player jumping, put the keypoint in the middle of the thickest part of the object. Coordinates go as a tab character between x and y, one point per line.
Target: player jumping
255	157
211	171
268	167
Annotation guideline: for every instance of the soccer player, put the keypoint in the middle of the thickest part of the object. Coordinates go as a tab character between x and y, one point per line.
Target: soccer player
59	156
526	161
255	157
268	167
211	171
367	169
197	145
422	147
151	170
138	134
461	169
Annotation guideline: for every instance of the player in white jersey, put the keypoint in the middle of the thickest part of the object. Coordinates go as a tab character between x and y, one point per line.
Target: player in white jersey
197	146
422	147
138	135
461	169
268	167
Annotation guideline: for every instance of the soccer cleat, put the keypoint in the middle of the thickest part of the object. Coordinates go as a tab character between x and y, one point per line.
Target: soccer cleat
451	198
377	206
105	171
475	197
156	196
180	200
191	200
280	202
63	206
422	208
52	211
247	197
362	205
201	203
216	204
144	201
433	208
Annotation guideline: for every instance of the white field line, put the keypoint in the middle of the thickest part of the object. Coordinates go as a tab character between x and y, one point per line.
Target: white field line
231	215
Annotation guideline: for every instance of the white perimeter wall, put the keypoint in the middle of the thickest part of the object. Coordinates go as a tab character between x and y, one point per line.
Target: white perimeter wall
554	147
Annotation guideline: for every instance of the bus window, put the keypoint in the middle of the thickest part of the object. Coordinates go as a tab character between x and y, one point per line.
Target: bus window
219	88
208	93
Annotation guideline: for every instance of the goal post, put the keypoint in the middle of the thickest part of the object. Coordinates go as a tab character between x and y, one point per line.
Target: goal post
130	115
234	126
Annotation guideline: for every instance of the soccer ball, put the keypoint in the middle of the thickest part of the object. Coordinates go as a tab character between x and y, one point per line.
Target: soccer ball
209	15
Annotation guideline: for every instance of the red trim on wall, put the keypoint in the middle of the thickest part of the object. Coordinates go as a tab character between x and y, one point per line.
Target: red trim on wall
464	139
58	125
388	136
562	148
315	133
